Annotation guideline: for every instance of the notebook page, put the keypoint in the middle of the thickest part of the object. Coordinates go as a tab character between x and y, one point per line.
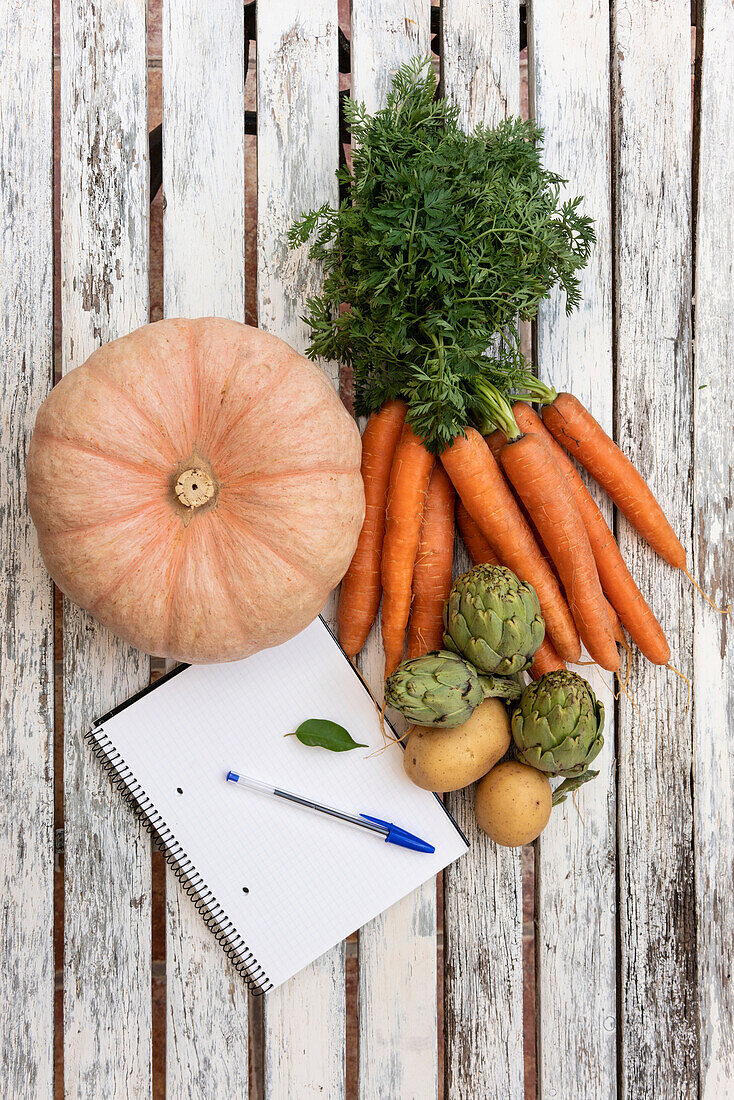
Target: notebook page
309	880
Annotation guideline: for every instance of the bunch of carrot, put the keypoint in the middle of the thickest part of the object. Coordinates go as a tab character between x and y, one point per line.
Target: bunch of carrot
522	503
406	548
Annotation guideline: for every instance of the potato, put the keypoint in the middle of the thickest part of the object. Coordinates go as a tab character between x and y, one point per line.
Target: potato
445	760
513	803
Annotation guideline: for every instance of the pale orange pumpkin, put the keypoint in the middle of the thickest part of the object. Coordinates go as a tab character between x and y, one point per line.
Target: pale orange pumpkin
196	486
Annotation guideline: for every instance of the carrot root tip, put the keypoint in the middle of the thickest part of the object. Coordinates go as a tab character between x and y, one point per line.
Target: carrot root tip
380	708
721	610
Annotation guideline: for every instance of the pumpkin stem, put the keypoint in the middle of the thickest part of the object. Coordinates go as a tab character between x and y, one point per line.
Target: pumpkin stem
194	486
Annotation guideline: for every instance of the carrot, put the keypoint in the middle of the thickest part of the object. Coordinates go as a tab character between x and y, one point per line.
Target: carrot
361	588
409	477
496	441
538	480
487	498
433	566
479	550
545	660
616	579
617	631
577	430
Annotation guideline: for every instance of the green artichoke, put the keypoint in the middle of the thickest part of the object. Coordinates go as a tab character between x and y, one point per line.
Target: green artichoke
557	724
493	620
436	690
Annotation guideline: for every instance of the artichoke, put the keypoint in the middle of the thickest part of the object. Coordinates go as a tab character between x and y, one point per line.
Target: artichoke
439	689
557	724
493	620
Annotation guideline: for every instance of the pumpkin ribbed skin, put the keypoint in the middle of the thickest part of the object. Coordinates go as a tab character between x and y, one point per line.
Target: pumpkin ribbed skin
196	486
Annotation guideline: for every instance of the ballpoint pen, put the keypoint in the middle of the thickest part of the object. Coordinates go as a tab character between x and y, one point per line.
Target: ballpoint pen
392	833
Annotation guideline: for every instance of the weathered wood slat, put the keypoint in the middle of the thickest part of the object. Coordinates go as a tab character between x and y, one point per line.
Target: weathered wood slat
204	275
483	975
203	159
298	83
713	523
575	877
397	950
651	55
104	293
480	59
385	34
26	641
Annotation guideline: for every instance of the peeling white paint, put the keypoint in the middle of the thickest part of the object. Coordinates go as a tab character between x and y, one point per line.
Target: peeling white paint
104	270
26	633
651	63
713	528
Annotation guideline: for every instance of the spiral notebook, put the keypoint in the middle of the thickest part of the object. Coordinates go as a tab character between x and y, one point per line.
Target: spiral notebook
277	885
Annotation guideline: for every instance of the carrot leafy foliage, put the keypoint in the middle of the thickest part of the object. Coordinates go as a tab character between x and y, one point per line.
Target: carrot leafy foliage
443	241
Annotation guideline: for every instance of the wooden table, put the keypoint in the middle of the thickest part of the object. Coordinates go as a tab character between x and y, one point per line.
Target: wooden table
634	906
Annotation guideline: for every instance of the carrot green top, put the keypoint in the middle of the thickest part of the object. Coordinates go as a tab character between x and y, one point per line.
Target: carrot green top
442	241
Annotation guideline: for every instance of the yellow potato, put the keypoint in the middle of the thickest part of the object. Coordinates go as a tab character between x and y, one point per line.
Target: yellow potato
445	760
513	803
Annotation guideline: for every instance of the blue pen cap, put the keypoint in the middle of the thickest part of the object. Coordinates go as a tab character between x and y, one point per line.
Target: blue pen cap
399	836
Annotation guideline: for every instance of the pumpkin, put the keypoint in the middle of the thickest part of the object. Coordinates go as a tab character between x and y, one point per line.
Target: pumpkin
196	486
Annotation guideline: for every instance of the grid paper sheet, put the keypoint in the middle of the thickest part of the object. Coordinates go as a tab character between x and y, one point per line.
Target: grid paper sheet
310	880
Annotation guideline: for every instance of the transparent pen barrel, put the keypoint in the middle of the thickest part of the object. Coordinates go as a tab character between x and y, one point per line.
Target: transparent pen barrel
252	784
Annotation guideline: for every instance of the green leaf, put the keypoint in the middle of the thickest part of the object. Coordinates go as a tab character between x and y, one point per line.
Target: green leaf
320	733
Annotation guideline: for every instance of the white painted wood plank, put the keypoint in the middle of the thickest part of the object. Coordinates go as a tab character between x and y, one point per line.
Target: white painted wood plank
385	34
651	57
26	640
576	861
204	275
204	159
480	59
483	976
104	293
713	523
398	1041
297	80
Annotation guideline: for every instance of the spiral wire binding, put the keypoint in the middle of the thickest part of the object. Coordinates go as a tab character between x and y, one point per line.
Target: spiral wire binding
203	898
